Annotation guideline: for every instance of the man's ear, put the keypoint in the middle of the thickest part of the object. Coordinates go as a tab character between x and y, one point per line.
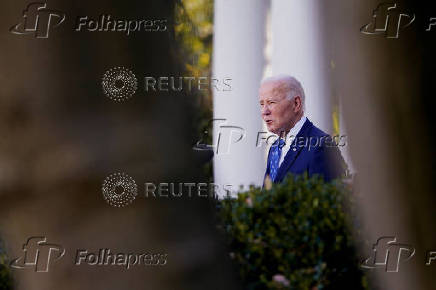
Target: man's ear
298	106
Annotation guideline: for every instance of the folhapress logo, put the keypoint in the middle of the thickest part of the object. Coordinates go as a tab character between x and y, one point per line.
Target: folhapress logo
387	20
38	20
388	254
227	135
38	254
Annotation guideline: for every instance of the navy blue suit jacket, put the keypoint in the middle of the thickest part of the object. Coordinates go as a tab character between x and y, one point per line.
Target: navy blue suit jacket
312	151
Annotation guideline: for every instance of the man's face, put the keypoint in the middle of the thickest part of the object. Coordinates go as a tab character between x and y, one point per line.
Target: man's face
279	112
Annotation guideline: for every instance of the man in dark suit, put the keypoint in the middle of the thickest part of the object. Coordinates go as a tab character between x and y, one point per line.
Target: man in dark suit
301	147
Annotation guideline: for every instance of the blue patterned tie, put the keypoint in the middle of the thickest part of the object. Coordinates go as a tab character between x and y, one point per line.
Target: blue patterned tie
276	151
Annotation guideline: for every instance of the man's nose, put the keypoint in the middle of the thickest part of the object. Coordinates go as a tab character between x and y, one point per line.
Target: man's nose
265	110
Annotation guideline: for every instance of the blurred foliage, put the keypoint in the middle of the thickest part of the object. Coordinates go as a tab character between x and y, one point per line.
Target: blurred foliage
294	236
194	30
5	275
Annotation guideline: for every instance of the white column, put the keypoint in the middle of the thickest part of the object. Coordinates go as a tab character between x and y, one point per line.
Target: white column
297	51
238	54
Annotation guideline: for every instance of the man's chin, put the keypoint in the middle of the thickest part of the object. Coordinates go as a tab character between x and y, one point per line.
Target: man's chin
272	129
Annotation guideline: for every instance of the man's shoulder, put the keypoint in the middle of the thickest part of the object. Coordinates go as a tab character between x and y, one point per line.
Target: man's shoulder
317	132
314	131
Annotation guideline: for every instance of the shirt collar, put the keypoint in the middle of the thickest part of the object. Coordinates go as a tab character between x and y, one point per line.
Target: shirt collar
295	130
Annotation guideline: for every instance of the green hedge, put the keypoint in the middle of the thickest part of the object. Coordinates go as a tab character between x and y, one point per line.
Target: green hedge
294	236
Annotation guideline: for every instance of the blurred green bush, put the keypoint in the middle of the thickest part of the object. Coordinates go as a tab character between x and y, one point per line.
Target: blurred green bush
5	275
294	236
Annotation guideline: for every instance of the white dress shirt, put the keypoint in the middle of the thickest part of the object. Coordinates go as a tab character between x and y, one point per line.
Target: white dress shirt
290	138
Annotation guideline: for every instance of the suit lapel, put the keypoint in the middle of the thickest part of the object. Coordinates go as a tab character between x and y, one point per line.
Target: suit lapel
294	150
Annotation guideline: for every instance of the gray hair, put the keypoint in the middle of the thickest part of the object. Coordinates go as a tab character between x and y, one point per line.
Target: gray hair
293	86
